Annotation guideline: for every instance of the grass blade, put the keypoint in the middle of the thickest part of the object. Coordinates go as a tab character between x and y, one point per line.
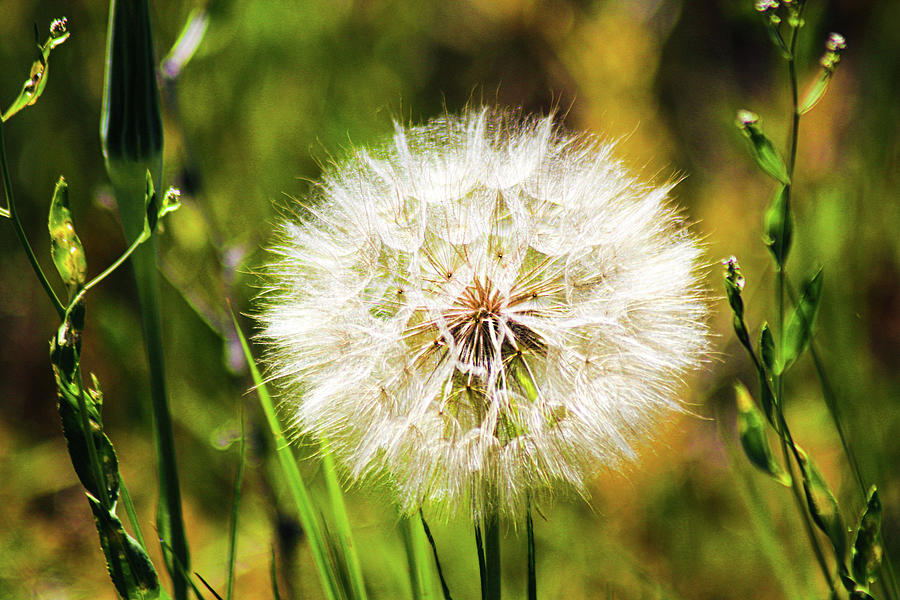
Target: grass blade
232	536
291	472
342	524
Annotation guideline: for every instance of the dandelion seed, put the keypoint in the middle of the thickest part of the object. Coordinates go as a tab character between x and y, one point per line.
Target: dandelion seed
482	311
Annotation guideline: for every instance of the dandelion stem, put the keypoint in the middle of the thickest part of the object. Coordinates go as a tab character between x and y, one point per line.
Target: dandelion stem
532	569
492	556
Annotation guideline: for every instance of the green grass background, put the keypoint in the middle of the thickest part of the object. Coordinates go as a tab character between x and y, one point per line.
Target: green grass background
276	90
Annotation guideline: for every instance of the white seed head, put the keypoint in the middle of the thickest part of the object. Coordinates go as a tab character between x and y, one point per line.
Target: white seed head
482	311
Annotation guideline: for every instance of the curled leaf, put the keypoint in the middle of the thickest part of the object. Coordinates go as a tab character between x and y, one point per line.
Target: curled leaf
823	507
752	431
865	558
778	226
761	147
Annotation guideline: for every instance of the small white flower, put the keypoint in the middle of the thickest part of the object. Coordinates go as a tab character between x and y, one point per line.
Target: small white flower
482	310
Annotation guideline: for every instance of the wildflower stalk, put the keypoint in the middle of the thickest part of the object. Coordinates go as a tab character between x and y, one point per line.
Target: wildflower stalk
131	132
780	296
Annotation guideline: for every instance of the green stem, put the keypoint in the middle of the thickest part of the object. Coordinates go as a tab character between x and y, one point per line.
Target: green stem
784	432
787	440
532	568
445	589
492	556
20	231
169	517
232	534
93	282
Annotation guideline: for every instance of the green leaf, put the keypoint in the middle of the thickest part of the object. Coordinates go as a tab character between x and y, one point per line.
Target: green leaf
767	353
799	327
129	566
823	507
65	246
778	226
752	431
865	558
767	347
761	147
70	415
816	91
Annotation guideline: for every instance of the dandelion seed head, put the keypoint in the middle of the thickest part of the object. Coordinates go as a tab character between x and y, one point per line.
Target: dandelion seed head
482	311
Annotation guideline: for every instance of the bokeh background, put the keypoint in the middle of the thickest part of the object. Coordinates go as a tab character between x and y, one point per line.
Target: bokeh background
278	89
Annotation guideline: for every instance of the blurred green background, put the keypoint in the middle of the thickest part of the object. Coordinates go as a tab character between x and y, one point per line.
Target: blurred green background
275	91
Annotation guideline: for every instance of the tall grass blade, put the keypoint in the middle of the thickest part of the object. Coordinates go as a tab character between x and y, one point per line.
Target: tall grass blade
417	559
291	473
235	506
342	524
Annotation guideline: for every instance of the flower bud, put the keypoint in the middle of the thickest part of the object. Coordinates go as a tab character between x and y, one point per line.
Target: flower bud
131	126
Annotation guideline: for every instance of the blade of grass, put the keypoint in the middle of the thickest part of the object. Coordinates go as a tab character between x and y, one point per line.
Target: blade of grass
132	514
291	472
417	559
273	575
342	524
232	535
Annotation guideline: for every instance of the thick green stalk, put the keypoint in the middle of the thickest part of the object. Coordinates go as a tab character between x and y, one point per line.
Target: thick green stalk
168	515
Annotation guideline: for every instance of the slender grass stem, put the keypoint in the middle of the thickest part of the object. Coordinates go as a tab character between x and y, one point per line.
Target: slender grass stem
94	459
235	505
889	583
20	231
132	513
445	589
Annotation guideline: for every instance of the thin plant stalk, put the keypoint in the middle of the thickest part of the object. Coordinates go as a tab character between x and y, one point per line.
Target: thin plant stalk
235	505
20	231
780	297
532	569
445	589
132	514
